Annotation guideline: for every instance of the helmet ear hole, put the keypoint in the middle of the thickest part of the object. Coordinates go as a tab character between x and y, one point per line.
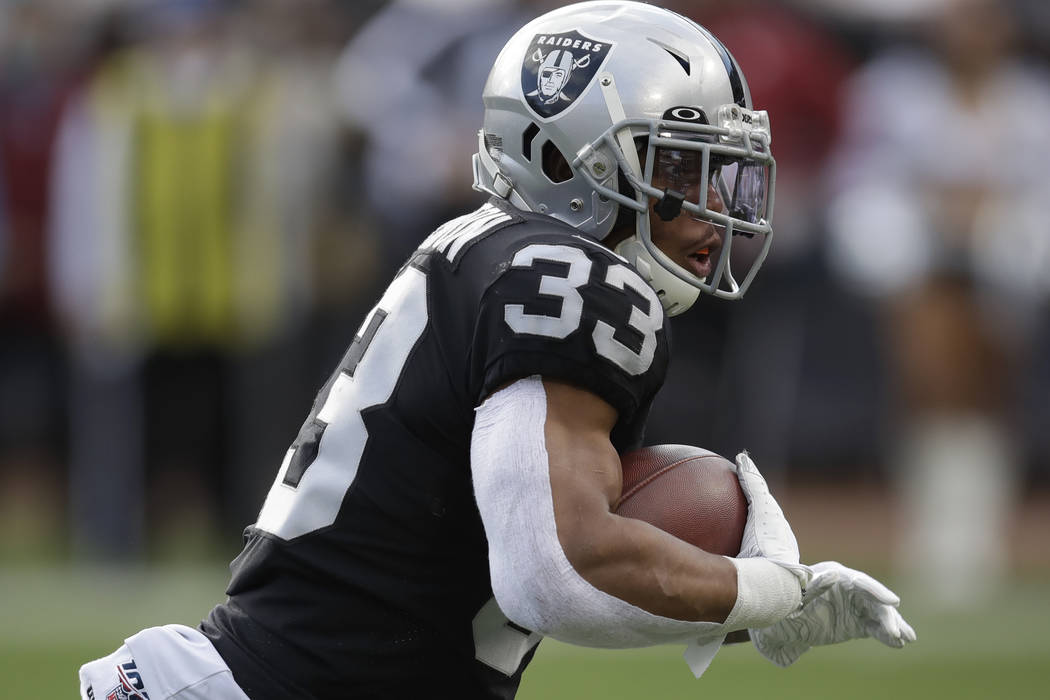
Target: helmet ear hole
526	140
555	166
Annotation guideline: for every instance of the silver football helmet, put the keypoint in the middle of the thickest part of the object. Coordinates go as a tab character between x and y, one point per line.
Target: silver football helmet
601	108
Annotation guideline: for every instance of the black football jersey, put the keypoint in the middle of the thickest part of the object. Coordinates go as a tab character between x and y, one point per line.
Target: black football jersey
366	573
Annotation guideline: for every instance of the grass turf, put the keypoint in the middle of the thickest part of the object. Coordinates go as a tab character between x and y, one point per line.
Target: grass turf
53	620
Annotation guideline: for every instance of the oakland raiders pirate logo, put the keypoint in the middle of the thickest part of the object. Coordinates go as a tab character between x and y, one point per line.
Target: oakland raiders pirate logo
558	68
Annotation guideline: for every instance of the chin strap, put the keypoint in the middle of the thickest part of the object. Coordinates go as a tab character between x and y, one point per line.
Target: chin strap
676	295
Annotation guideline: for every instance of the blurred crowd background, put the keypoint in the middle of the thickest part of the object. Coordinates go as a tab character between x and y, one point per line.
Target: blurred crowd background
200	199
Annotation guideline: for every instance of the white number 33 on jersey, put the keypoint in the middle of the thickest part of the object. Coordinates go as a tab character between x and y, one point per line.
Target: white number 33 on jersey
647	323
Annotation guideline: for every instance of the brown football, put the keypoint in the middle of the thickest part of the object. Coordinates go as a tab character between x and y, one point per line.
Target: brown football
690	492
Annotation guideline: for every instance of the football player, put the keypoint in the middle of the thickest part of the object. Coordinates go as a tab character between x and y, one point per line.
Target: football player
447	503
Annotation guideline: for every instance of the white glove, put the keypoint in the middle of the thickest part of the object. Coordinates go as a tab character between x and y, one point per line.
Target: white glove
770	580
766	533
840	604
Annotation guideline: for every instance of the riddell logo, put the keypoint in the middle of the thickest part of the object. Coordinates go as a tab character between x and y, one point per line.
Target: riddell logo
558	68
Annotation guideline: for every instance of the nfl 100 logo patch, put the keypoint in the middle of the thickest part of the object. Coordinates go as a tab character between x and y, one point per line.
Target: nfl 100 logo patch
558	68
131	686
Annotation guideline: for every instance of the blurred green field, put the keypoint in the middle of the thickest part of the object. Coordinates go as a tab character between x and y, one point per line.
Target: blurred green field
52	620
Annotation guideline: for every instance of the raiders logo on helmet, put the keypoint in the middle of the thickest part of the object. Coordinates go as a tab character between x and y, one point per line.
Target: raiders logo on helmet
558	68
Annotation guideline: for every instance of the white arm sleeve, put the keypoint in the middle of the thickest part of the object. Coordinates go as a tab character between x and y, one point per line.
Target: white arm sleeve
532	580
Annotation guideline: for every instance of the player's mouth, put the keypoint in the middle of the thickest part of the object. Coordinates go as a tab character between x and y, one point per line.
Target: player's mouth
702	262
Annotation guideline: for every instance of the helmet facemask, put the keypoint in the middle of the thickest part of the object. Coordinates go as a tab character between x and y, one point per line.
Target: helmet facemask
722	174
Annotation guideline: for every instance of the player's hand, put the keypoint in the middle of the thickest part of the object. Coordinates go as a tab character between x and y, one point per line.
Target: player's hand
766	533
840	604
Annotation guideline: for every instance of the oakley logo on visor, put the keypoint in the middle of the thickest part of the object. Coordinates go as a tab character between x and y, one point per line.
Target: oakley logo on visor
692	115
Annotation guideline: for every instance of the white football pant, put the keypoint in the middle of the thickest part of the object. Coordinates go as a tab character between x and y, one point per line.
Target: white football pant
173	662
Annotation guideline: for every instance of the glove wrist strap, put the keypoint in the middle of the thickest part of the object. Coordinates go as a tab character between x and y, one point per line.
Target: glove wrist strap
766	593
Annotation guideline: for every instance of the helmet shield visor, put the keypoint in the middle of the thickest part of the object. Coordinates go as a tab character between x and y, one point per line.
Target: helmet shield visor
743	185
715	183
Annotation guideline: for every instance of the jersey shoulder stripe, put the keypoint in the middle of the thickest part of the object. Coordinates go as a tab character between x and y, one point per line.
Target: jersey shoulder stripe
455	237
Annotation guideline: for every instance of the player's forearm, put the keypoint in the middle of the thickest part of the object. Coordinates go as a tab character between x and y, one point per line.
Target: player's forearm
533	581
629	559
646	567
545	476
